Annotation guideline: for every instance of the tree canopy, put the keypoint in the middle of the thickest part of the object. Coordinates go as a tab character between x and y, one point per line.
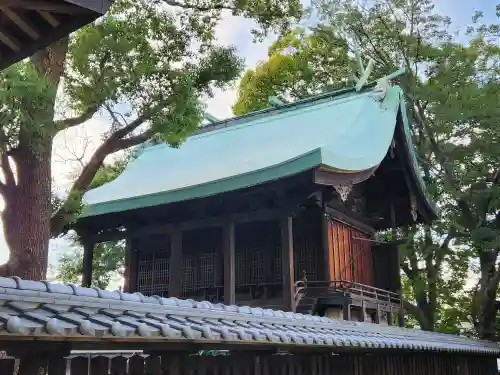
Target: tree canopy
158	58
107	263
452	93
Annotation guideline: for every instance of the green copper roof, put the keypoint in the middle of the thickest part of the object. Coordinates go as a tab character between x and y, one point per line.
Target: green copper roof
346	130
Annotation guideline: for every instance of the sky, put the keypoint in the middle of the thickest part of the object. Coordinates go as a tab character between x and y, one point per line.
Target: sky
76	144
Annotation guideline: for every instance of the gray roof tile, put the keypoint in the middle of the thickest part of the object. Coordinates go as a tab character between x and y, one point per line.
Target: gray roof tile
44	308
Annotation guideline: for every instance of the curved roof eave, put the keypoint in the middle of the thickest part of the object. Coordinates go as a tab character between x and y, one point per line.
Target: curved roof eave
421	190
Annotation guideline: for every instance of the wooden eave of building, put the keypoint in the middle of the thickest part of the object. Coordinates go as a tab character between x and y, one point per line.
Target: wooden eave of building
269	201
27	26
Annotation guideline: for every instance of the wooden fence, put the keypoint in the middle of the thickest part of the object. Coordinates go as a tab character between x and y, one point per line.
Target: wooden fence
256	364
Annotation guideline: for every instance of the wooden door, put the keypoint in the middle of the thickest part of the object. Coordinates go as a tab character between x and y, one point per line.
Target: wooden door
349	254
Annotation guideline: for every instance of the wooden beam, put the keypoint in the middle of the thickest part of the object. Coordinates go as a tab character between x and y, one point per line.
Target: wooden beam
245	217
41	5
287	263
327	251
175	279
344	218
21	23
330	178
10	41
50	18
100	6
88	256
130	285
229	264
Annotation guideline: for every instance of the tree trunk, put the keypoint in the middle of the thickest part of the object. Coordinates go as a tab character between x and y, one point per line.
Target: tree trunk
26	217
27	213
484	302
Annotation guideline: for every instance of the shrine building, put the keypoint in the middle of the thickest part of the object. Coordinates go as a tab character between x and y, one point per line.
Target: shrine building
275	209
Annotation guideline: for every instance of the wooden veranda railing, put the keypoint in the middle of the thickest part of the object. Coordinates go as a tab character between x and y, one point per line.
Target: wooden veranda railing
324	289
252	363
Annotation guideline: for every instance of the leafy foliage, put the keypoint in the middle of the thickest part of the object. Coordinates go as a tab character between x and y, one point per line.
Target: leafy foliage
156	60
108	262
300	64
452	92
270	15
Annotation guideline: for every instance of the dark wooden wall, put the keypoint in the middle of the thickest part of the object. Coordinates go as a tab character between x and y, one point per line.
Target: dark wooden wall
386	267
251	363
258	253
307	246
349	254
258	260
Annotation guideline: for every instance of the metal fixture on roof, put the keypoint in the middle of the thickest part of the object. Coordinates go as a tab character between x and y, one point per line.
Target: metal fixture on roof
210	118
384	83
275	101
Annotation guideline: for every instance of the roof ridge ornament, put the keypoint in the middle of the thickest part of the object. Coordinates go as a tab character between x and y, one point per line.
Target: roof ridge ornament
384	83
364	73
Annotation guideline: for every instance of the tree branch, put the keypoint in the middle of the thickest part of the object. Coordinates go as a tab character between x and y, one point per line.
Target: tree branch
199	8
77	120
410	273
135	140
91	110
417	313
116	142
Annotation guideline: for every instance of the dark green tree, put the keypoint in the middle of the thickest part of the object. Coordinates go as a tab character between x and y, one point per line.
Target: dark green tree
108	262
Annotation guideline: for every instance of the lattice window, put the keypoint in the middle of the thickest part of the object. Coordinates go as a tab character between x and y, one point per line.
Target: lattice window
188	274
145	273
240	269
153	272
206	271
200	248
258	253
161	272
278	272
307	248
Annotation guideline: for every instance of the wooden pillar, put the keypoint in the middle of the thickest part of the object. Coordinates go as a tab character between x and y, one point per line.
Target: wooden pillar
394	234
175	280
346	311
377	314
325	241
287	263
88	256
131	260
229	264
401	313
219	267
390	316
